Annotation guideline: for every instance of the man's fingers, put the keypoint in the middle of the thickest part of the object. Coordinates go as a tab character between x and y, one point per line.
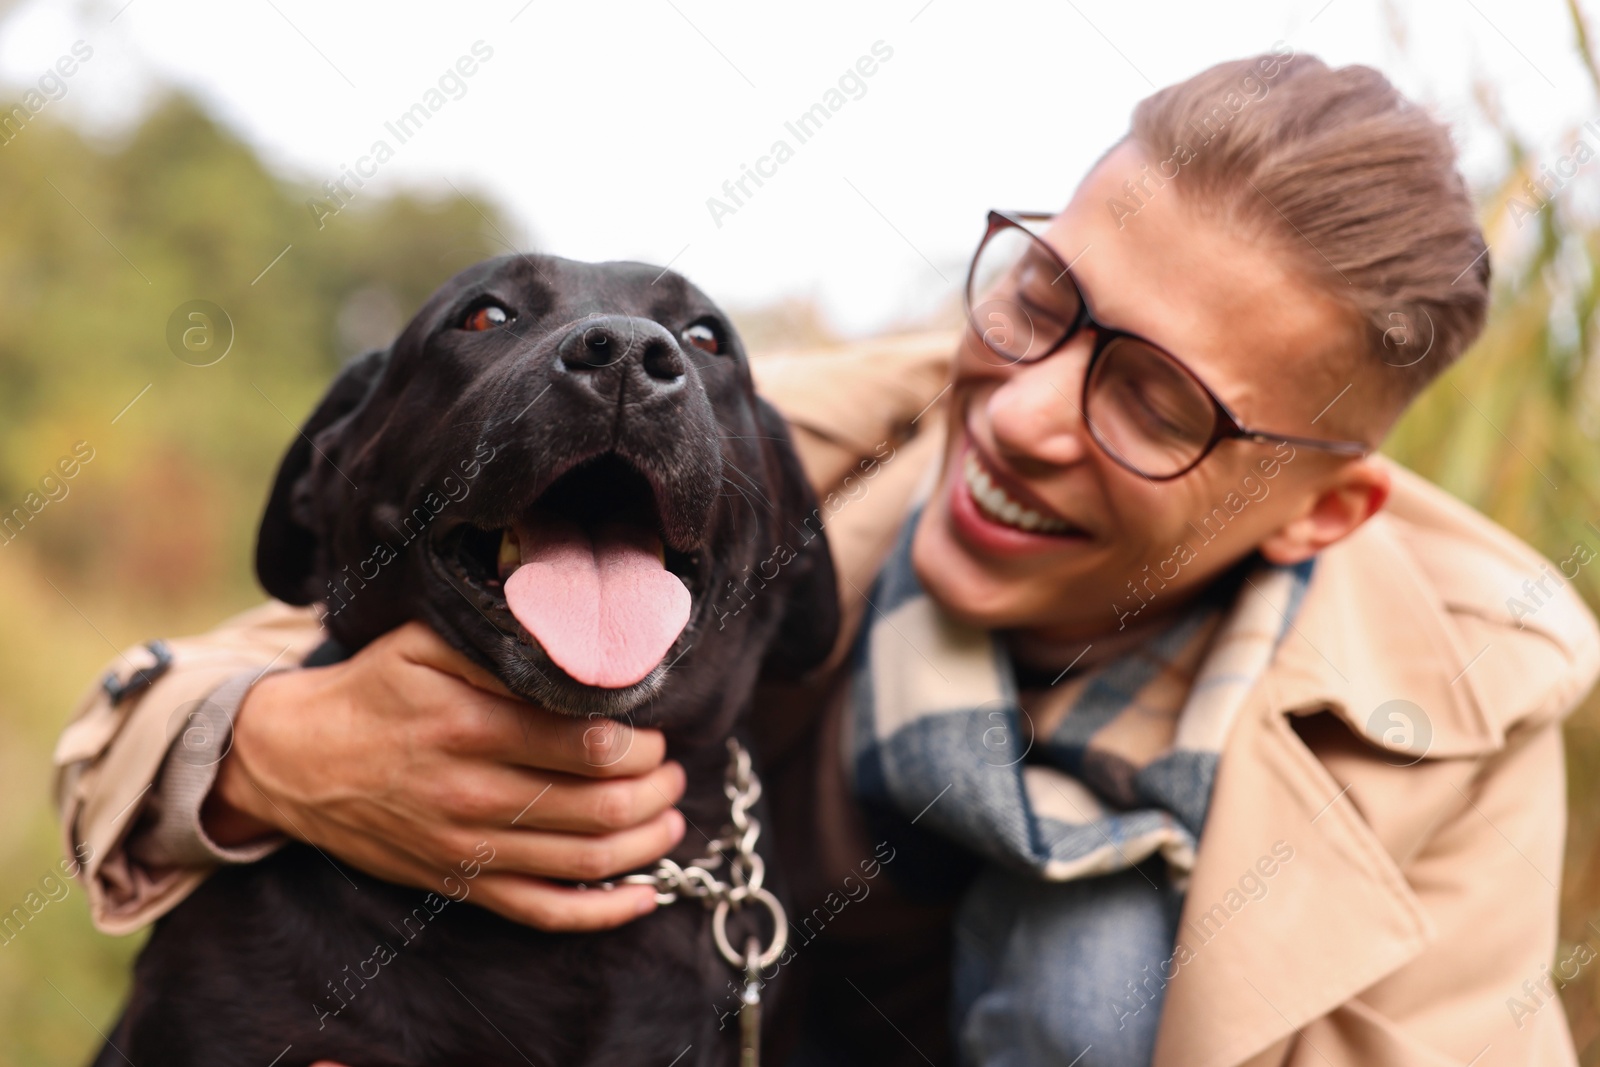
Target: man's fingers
487	720
561	909
605	748
493	796
416	642
513	732
530	801
587	857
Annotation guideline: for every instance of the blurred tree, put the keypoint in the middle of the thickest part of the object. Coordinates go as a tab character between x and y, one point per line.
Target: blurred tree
103	248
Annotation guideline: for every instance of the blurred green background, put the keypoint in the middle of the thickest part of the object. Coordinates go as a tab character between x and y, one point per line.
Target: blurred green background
101	242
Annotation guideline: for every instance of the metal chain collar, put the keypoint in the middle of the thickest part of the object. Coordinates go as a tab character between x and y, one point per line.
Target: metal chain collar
735	845
746	871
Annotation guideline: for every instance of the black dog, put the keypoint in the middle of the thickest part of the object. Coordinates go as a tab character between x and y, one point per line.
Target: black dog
559	467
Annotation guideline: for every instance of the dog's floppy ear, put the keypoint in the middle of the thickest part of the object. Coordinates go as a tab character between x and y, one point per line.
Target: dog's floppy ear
286	546
810	620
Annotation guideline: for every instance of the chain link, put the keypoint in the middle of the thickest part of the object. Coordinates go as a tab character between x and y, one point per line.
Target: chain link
735	848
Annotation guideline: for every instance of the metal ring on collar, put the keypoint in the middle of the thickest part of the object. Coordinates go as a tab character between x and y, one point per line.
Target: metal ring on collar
780	928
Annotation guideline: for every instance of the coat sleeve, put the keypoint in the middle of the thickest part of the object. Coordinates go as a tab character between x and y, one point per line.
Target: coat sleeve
131	775
867	422
858	401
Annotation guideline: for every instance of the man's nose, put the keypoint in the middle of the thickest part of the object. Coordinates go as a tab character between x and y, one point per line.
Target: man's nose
1037	411
623	355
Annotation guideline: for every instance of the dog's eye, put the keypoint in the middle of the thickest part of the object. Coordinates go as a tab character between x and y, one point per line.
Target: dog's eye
703	337
486	317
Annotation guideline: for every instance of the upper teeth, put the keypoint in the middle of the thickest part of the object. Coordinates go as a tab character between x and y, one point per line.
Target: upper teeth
996	504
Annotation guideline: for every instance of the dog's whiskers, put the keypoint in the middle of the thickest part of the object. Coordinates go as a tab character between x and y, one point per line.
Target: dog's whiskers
737	488
754	485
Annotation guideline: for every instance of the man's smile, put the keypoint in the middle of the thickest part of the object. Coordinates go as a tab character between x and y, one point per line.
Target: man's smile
993	514
988	491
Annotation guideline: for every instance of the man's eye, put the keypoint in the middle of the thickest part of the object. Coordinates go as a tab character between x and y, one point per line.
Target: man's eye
1163	414
486	317
703	337
1047	315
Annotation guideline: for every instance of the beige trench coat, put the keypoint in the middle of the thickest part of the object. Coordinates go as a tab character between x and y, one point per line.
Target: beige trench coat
1418	904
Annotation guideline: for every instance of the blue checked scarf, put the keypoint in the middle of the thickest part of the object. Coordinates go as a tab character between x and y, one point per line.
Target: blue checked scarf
1090	776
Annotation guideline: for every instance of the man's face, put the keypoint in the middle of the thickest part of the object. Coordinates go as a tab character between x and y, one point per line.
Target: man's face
1261	336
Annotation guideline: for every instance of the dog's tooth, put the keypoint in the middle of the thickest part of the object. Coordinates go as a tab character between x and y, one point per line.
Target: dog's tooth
510	552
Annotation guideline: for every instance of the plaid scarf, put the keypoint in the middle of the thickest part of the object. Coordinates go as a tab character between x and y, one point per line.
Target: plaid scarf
1093	775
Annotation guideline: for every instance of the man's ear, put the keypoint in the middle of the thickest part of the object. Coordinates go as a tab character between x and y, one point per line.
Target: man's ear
1357	490
290	534
810	620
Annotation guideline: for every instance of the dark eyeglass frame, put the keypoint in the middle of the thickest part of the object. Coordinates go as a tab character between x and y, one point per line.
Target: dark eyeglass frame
1225	424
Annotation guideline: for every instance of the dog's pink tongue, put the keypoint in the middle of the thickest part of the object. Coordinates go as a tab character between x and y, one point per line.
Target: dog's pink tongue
603	607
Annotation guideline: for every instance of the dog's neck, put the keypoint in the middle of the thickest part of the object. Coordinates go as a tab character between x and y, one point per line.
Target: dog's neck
704	804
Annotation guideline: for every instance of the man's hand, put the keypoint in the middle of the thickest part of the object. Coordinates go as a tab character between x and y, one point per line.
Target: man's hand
404	758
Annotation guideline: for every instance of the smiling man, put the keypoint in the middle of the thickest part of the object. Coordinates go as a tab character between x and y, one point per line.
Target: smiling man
1173	725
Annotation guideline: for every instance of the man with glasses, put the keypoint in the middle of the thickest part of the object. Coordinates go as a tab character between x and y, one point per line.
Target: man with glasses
1172	724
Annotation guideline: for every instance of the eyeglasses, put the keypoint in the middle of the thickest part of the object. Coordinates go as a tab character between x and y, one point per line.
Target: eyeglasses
1144	408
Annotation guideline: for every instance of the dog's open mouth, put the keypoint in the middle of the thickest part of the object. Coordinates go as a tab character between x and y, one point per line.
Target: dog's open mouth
586	575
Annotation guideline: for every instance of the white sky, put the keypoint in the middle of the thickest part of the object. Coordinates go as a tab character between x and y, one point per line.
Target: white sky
604	127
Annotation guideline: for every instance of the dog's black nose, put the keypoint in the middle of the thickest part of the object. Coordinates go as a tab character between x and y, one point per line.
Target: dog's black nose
622	347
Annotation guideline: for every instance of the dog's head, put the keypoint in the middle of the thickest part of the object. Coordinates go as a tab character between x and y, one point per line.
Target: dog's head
564	469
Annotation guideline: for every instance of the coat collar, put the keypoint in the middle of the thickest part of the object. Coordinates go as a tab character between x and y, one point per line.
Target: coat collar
1373	630
1267	944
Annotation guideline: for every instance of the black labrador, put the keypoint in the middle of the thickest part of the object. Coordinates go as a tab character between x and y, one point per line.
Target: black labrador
563	468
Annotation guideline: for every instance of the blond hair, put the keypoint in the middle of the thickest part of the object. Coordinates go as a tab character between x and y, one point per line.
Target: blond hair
1347	175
